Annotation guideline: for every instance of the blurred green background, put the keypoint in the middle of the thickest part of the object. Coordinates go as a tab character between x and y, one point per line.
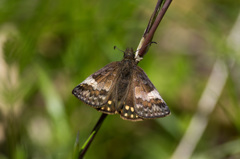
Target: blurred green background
48	47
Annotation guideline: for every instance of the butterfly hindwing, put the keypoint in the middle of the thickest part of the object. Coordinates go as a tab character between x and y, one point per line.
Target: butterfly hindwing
96	89
127	111
148	102
109	106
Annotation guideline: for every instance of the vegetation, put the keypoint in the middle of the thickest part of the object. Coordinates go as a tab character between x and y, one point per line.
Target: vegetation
49	47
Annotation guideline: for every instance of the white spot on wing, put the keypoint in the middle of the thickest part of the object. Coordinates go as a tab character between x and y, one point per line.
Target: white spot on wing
139	93
102	97
107	85
90	81
85	92
154	94
138	106
100	86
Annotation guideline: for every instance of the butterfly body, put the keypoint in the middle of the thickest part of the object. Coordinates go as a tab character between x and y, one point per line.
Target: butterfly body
122	88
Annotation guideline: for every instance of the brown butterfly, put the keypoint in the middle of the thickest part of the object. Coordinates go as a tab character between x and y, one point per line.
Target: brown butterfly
123	88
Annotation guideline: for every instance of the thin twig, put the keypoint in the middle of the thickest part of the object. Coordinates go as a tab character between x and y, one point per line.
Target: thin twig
91	136
159	12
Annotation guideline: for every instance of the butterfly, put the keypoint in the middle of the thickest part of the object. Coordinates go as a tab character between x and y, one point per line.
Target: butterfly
123	88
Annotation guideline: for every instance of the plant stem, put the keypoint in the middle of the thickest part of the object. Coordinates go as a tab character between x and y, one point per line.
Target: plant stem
156	18
91	136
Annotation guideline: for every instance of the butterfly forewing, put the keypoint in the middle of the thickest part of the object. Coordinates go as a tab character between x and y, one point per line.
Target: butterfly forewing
96	89
148	102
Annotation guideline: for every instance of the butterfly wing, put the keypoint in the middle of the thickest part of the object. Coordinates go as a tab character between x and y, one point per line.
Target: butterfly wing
97	88
109	106
127	111
148	102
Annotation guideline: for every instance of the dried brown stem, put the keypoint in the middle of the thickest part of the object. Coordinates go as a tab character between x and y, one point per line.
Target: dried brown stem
158	13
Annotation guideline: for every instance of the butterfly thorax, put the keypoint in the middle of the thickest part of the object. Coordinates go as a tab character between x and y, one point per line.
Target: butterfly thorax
129	54
127	65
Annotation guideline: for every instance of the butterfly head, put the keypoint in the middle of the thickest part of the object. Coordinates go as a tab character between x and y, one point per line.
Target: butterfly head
129	54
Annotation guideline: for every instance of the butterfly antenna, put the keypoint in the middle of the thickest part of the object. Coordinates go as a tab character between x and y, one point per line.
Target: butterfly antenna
115	47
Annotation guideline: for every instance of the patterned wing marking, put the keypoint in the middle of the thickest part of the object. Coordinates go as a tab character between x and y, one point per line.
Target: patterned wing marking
148	102
128	111
97	88
109	107
126	105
